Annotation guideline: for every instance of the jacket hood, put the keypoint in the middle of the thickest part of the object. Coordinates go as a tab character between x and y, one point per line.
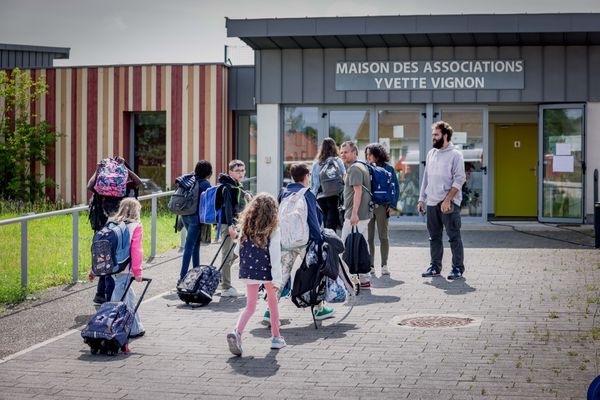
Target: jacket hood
226	179
449	148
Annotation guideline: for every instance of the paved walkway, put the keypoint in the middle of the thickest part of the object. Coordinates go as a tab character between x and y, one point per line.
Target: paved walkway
536	334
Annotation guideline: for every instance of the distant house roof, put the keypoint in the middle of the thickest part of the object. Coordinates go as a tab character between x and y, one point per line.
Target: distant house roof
418	30
25	56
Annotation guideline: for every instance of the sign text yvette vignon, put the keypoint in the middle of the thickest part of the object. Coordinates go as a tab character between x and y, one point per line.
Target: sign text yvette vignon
430	75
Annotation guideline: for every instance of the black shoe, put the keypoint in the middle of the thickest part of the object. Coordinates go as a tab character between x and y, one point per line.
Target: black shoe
431	272
137	335
455	274
99	299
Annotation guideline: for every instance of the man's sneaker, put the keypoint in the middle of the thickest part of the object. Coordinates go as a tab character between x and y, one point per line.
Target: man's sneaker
266	321
385	270
231	292
372	271
365	285
234	340
278	342
455	274
99	299
324	313
431	272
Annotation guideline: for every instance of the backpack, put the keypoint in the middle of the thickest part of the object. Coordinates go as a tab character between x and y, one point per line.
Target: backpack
185	199
111	178
331	178
110	249
356	253
308	288
382	189
293	220
208	212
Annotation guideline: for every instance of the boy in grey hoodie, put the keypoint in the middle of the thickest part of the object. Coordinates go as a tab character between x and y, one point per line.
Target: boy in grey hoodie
441	190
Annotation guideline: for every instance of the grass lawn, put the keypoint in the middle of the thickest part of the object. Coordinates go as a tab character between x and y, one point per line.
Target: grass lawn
50	251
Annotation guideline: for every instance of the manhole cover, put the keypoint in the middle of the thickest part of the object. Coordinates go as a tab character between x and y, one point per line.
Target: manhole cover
435	321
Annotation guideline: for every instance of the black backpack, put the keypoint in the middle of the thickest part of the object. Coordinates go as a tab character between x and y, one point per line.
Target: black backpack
356	254
309	284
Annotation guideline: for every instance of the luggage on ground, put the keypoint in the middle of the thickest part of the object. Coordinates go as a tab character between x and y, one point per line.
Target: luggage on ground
110	249
111	178
331	178
293	220
200	283
107	331
185	199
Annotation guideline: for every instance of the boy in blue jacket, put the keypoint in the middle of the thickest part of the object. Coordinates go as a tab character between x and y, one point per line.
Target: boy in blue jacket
301	175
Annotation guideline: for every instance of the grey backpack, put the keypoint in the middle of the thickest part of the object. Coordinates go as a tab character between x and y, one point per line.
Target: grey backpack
331	178
185	199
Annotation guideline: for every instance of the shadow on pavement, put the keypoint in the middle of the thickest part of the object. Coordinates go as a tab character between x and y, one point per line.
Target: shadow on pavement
384	282
366	297
227	304
255	367
81	320
298	335
451	287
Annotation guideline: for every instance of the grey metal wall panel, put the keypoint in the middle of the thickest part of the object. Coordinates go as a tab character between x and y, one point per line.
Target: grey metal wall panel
258	76
331	57
554	73
312	76
399	54
534	73
594	76
271	76
576	73
291	74
509	53
421	96
356	96
245	88
377	96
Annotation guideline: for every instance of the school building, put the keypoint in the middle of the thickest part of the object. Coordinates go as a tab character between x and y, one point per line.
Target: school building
520	90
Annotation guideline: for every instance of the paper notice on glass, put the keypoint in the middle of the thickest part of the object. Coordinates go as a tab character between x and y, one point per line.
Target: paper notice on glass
398	131
563	149
385	142
459	138
563	164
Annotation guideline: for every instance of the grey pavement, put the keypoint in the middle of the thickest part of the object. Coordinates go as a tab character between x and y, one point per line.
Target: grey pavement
535	333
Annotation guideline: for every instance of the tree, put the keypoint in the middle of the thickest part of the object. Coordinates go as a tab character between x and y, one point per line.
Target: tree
23	143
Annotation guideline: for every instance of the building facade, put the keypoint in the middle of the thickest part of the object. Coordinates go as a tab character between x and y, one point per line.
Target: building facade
521	92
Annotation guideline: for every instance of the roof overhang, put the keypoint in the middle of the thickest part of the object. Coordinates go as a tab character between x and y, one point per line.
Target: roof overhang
59	52
418	31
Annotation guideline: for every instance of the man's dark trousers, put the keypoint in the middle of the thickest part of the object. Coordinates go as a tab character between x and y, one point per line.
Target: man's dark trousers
436	221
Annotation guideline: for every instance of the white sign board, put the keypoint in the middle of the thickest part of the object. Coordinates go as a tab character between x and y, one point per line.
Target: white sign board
563	164
398	131
459	138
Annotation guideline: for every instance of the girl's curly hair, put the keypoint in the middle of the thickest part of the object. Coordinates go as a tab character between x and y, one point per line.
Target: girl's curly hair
259	219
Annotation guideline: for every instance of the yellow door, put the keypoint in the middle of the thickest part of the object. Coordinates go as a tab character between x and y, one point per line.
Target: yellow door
515	172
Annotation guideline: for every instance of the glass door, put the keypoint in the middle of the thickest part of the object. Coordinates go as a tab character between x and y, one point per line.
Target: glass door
350	124
561	152
470	126
400	131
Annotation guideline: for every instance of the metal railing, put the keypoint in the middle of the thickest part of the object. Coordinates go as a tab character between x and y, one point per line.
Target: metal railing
75	212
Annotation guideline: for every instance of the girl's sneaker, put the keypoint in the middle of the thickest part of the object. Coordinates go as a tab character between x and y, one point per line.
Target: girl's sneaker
234	340
278	342
323	313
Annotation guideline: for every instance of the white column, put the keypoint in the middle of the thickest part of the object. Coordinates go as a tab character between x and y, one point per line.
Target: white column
268	149
592	157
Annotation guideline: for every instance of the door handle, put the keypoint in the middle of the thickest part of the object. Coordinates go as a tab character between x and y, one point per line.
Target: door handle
484	169
534	170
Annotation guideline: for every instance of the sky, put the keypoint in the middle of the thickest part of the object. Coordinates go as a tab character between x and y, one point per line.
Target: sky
109	32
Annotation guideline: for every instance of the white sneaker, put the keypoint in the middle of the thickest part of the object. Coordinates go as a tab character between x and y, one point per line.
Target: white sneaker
385	270
234	340
278	343
231	292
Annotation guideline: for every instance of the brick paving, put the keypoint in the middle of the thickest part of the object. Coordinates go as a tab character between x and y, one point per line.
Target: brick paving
536	335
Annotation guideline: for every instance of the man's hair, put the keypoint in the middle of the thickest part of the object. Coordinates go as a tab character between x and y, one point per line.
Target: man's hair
299	171
444	127
351	145
203	169
236	163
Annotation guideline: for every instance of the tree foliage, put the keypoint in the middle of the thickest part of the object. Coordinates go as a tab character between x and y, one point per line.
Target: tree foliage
23	142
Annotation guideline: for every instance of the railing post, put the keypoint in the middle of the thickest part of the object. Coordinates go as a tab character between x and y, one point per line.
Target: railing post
153	239
24	254
75	246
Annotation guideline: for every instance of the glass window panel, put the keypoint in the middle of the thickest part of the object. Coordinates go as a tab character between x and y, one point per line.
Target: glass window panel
399	131
562	184
353	125
246	144
300	136
468	136
150	149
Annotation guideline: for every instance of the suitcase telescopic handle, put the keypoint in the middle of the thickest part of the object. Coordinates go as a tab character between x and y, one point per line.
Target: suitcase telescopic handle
148	281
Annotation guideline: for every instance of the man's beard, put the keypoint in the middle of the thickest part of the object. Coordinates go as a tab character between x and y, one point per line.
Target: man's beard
438	144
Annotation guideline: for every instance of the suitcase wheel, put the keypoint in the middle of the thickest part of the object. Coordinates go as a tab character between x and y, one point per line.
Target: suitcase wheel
94	350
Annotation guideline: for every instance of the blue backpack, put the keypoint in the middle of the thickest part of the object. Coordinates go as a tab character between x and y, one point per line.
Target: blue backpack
208	207
382	189
110	249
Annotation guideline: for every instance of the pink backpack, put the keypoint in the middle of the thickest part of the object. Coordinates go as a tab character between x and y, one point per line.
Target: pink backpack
111	178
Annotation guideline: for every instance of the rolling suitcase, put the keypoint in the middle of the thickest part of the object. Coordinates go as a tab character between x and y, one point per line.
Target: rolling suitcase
107	331
200	283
